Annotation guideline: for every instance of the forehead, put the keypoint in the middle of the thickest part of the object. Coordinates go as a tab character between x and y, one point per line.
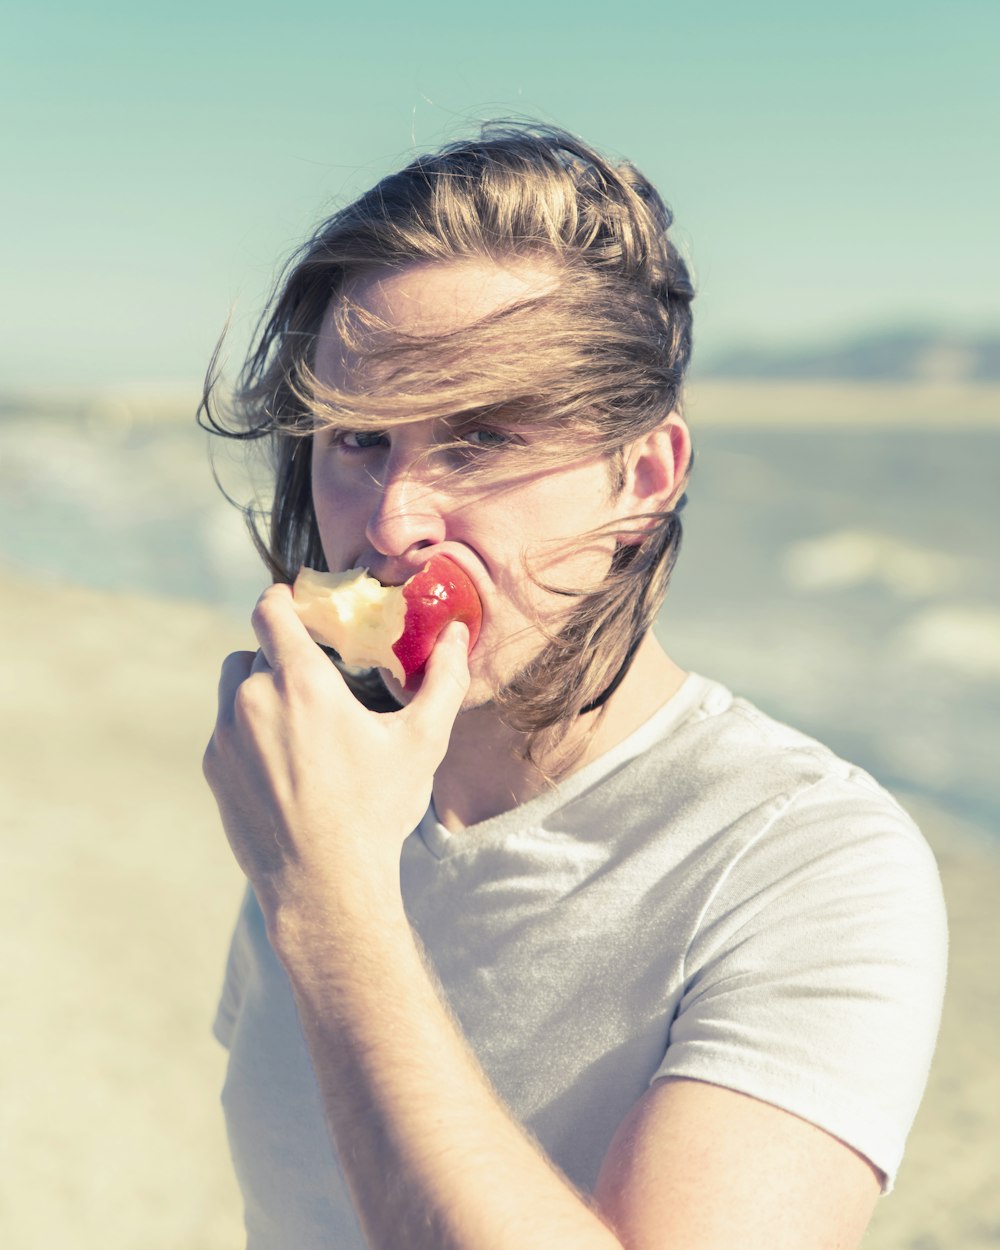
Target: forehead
426	299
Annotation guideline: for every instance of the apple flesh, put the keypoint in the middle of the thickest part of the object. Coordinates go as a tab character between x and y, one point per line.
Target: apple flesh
392	627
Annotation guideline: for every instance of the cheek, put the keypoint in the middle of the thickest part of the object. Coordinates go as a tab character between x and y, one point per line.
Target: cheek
322	503
334	514
566	534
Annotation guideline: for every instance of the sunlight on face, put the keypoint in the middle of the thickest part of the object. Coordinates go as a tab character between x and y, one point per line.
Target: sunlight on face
389	499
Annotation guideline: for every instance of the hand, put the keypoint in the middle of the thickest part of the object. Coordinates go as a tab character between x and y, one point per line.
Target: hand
316	792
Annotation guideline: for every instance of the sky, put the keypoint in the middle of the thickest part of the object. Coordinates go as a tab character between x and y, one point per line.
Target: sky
832	168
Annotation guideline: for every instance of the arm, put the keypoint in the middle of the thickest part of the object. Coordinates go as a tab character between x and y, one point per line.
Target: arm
317	818
694	1165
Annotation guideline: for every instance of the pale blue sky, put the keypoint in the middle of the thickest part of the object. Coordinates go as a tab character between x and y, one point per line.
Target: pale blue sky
832	168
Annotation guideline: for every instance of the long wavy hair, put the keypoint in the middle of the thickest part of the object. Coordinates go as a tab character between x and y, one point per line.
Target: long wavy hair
599	354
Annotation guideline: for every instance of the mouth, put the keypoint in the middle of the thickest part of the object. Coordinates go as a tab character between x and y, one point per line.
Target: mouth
426	603
393	576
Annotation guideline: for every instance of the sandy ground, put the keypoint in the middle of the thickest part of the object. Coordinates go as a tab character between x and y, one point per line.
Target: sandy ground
117	898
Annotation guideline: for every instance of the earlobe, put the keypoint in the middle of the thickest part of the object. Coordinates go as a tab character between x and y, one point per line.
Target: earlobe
656	470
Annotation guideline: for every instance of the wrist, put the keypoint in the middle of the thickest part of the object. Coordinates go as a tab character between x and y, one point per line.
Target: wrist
335	932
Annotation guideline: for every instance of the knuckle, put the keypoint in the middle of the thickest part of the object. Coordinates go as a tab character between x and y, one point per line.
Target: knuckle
247	701
261	612
232	661
234	669
264	608
210	759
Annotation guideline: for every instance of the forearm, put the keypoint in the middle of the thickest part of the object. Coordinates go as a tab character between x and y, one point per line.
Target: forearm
297	766
432	1159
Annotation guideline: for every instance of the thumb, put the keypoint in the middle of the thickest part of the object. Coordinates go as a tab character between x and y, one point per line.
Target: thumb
445	684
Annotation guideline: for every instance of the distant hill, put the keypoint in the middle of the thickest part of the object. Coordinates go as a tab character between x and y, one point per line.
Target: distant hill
888	356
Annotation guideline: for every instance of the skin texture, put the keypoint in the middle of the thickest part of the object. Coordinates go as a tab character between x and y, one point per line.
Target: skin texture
381	503
317	821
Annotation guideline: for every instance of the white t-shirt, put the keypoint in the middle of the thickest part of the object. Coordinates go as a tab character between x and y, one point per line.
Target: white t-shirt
718	897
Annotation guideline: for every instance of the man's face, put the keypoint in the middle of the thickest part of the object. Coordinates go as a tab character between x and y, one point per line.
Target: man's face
382	503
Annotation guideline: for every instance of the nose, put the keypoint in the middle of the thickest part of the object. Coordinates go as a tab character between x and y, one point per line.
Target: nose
406	513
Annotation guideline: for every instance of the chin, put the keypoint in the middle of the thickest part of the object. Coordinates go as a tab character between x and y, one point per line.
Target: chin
481	693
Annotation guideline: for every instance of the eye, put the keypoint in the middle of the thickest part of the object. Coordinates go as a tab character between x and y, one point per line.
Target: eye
360	440
486	438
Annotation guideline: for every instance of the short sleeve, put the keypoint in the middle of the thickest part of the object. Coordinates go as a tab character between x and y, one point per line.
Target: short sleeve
815	979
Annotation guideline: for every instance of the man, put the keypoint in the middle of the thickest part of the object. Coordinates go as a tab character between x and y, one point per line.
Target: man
573	948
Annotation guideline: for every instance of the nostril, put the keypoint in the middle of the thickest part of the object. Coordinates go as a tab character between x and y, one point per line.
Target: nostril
395	529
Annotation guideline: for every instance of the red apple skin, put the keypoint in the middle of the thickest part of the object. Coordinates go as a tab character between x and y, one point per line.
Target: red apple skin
439	593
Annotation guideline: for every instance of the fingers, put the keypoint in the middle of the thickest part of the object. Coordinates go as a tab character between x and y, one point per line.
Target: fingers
282	637
446	682
236	668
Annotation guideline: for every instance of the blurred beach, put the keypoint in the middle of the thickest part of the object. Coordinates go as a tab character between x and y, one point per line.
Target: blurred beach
839	568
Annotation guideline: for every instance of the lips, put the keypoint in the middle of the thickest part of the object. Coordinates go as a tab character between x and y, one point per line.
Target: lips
391	627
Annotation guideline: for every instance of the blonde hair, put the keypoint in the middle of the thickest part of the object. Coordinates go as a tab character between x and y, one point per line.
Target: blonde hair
602	351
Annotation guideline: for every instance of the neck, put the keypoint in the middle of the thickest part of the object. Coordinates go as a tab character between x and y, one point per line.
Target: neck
483	773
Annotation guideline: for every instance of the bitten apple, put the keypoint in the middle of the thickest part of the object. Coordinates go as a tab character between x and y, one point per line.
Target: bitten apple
392	627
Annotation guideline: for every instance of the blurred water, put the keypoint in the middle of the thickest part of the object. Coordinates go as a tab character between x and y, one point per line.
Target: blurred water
124	506
845	580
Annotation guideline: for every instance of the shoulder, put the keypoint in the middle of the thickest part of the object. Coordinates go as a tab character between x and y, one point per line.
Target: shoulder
783	819
710	752
745	801
815	974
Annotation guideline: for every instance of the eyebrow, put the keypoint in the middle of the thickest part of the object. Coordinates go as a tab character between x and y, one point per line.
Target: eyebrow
509	415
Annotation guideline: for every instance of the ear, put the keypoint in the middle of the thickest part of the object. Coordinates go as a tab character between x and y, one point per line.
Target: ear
656	470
